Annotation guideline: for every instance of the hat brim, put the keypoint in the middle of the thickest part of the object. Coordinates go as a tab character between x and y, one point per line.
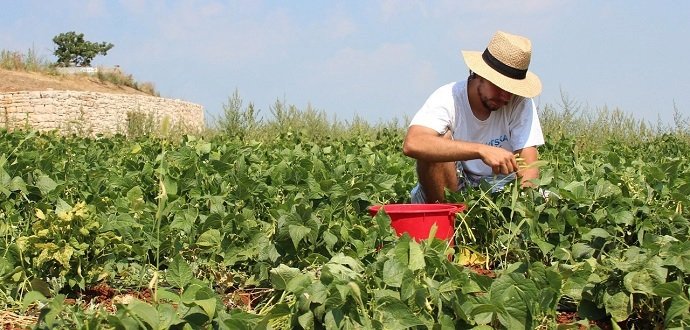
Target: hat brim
528	87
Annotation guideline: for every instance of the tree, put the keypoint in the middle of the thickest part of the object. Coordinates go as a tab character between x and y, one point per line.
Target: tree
72	49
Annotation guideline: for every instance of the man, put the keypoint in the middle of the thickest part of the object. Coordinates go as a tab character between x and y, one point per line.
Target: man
471	131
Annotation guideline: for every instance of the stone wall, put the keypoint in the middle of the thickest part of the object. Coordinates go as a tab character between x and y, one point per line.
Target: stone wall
92	113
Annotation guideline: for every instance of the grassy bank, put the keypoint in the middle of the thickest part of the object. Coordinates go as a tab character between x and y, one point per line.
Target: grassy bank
32	62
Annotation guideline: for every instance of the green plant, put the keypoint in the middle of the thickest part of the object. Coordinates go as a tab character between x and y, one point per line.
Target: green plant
73	49
140	124
68	242
236	232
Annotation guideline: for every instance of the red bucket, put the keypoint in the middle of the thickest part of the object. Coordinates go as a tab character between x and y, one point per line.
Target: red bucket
417	219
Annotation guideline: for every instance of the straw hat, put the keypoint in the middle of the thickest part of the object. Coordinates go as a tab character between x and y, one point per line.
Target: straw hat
504	63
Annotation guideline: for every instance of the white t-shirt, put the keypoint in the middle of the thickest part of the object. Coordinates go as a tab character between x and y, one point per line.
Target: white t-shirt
513	127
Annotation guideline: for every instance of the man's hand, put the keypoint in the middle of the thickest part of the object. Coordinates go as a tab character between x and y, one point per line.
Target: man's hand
500	160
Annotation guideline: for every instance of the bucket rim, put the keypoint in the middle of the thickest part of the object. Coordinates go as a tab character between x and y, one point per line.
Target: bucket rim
404	208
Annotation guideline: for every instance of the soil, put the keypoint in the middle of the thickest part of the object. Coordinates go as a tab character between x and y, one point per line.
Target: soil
14	81
479	269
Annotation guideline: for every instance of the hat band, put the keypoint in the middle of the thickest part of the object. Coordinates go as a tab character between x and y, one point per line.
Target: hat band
503	68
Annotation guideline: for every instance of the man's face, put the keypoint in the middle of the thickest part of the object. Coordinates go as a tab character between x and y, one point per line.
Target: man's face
492	96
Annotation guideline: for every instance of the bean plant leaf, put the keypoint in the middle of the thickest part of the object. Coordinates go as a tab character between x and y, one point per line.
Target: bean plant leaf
170	185
678	255
45	184
208	305
416	257
145	312
298	284
670	289
17	184
210	238
596	232
298	233
618	306
282	275
512	294
179	273
678	306
393	272
396	314
623	217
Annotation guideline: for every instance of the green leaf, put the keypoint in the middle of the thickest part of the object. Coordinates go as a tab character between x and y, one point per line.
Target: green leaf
641	281
45	184
170	186
179	273
670	289
581	251
574	284
62	206
184	220
40	286
678	306
277	311
401	249
342	259
297	233
484	313
282	275
416	257
210	238
208	305
306	320
145	312
135	194
576	189
544	246
396	315
623	217
167	316
17	184
393	272
618	306
32	297
596	232
514	295
203	148
678	255
167	295
299	283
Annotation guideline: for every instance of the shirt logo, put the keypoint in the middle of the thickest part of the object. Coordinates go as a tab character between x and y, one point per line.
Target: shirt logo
497	141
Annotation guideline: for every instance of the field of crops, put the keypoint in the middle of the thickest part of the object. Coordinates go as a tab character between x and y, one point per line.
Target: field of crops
232	233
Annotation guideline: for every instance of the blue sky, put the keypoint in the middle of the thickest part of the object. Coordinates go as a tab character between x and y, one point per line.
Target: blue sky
378	60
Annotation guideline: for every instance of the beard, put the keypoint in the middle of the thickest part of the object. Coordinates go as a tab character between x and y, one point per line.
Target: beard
490	104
